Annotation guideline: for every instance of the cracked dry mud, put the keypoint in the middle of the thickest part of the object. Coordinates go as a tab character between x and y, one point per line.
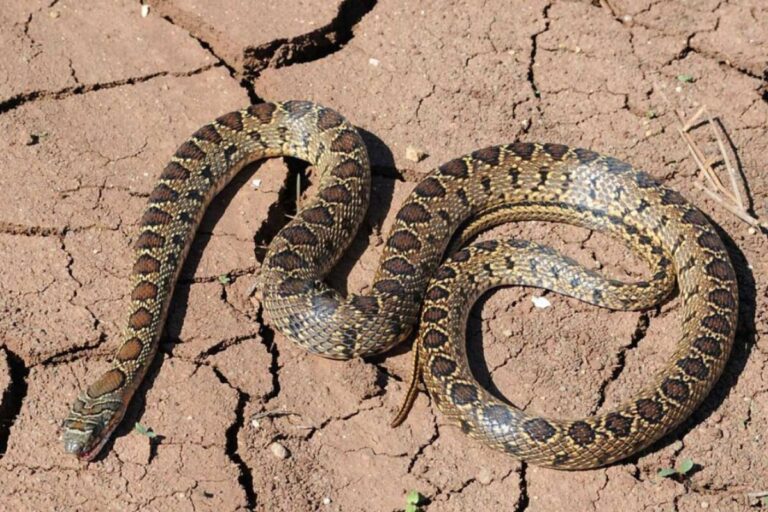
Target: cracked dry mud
94	99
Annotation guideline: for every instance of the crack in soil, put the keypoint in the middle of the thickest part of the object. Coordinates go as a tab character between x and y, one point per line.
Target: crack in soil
311	46
534	50
232	445
524	500
20	99
621	359
12	399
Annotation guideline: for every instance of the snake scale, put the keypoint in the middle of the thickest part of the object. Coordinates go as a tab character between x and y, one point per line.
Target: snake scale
520	181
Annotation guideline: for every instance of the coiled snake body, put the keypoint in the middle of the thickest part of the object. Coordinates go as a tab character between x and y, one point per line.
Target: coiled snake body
519	181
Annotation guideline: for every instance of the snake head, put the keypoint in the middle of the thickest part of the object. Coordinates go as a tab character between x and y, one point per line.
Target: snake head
90	424
95	415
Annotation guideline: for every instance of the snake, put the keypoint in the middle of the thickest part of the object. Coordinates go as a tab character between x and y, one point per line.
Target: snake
431	272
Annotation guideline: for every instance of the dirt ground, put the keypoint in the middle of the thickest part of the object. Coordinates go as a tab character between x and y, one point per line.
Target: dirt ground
95	97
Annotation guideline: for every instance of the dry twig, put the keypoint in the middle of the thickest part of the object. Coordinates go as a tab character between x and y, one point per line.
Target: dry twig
731	200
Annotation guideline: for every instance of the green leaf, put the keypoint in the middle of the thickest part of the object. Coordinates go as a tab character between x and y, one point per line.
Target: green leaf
141	429
411	508
686	78
225	279
685	466
667	472
413	498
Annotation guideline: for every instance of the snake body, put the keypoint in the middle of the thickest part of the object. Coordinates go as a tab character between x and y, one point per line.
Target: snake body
519	181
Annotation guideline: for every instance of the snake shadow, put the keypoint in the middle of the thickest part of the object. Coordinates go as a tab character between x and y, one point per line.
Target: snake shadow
744	342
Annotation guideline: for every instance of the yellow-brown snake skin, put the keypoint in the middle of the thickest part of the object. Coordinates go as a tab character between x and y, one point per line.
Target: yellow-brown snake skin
520	181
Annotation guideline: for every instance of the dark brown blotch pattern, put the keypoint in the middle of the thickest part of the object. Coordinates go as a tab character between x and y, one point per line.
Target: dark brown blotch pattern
430	187
650	410
675	389
581	433
149	240
130	350
434	339
556	151
708	345
618	425
111	381
145	290
524	150
463	394
694	367
414	213
263	112
404	241
327	119
717	323
539	429
208	133
318	215
189	151
490	155
233	121
348	169
163	194
140	319
336	194
155	217
434	314
346	142
398	266
299	235
146	264
442	367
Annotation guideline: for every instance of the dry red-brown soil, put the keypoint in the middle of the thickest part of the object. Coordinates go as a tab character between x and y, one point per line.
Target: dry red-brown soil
95	97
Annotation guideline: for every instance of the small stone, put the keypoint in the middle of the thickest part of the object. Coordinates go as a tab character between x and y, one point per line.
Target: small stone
627	18
373	62
526	123
752	231
414	154
541	302
484	476
326	501
255	423
279	451
144	10
255	183
704	505
54	14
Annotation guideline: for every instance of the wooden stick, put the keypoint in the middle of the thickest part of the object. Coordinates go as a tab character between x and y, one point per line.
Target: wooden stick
727	161
695	117
739	213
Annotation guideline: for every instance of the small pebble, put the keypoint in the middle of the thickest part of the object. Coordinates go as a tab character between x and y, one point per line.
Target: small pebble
414	154
752	231
484	476
279	451
255	423
326	501
144	11
626	18
704	504
255	183
541	302
373	62
54	14
526	123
